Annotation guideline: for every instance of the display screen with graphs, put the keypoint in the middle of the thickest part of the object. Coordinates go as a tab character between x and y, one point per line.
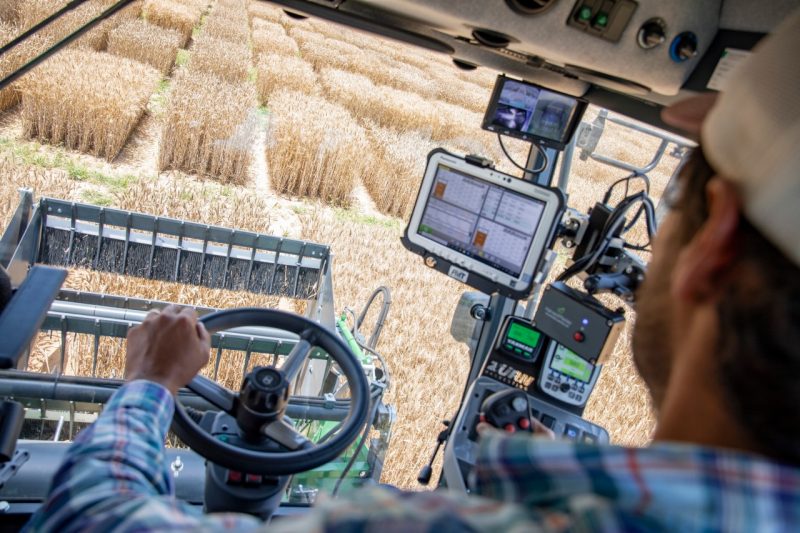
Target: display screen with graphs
482	222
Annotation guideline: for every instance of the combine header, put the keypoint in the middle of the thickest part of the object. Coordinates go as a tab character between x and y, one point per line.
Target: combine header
73	235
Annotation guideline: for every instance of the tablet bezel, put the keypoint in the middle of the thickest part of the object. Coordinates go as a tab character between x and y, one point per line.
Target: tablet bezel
481	275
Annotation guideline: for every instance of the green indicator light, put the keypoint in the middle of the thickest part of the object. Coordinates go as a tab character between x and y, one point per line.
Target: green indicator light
585	13
524	334
223	438
601	20
509	347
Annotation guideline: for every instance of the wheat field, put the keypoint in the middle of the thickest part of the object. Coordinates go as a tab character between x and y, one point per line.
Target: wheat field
251	119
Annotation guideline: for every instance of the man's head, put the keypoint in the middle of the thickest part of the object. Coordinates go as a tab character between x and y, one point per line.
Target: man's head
718	318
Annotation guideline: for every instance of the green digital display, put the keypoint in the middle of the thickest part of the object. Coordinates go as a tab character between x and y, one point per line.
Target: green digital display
524	335
568	362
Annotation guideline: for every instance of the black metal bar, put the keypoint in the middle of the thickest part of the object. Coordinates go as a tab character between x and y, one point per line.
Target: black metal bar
228	260
219	356
73	219
247	354
203	256
152	249
299	268
29	385
100	225
30	65
62	354
25	312
250	267
40	25
127	243
275	270
180	251
96	350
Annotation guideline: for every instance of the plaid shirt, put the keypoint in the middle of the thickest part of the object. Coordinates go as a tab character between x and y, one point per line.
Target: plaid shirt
116	477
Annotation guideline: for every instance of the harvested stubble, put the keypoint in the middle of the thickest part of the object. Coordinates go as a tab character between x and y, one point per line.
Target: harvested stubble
394	183
315	148
220	26
276	71
146	43
173	16
89	101
229	61
268	42
210	127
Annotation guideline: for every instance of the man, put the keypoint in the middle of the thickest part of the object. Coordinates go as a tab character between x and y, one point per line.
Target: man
717	341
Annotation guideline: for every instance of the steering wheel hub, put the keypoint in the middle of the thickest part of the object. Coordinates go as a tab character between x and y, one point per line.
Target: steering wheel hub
262	400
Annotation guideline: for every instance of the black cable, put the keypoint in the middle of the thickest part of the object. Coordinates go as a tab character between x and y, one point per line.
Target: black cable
359	447
30	65
525	169
614	222
627	179
40	25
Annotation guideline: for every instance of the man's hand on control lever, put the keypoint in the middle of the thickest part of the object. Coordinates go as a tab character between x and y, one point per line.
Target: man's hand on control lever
169	348
538	429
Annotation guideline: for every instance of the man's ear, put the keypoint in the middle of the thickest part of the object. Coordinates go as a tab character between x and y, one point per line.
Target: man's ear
708	256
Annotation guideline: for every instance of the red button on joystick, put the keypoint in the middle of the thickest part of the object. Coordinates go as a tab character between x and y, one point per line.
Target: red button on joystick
578	336
510	428
524	423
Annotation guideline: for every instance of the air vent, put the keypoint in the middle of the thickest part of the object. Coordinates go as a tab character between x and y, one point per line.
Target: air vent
529	7
491	38
464	65
293	15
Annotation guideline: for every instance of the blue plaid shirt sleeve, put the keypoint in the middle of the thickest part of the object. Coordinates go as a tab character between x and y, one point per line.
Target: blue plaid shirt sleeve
115	475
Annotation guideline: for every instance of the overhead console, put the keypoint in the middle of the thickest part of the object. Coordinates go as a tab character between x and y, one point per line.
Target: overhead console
620	54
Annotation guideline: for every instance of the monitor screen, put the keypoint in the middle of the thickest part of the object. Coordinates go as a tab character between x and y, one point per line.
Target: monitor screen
481	220
568	362
531	112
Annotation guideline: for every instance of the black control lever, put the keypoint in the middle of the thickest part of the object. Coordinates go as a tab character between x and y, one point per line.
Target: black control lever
425	473
508	410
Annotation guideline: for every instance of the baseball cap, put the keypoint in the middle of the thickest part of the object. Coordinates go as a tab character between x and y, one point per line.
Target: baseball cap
751	134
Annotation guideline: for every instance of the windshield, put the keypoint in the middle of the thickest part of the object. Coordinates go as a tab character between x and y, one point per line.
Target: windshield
310	138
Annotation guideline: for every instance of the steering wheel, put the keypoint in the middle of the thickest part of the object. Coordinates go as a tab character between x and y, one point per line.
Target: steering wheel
258	408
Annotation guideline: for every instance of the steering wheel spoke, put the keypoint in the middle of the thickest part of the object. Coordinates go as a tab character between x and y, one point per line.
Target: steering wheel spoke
296	358
288	437
214	393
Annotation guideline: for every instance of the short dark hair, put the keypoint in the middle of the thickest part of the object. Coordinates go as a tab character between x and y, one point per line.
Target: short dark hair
759	320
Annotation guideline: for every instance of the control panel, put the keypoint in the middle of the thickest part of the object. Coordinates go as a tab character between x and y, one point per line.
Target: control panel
462	446
526	377
578	321
606	19
566	376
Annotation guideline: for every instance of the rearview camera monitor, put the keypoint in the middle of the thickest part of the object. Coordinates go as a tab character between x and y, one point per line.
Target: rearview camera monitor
533	113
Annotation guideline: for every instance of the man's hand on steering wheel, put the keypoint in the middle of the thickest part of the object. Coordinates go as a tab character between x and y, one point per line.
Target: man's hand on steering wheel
169	348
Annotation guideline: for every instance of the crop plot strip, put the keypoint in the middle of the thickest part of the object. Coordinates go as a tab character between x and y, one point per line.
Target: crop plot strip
212	120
